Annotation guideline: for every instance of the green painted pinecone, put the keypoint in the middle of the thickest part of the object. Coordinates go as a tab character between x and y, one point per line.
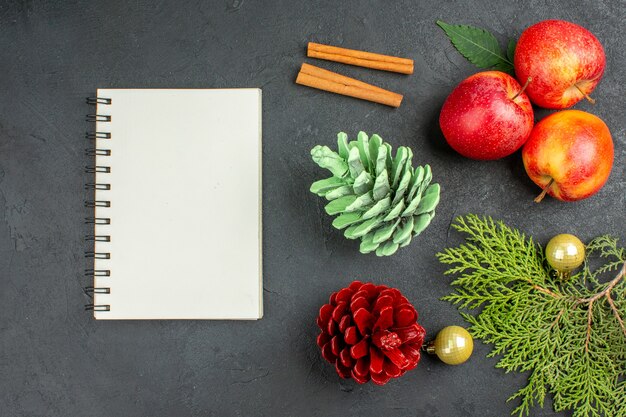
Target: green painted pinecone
380	199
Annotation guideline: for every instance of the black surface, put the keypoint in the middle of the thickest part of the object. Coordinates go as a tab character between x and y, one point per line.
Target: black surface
55	360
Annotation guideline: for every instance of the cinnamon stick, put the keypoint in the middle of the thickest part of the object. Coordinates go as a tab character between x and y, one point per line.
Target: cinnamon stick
322	79
360	58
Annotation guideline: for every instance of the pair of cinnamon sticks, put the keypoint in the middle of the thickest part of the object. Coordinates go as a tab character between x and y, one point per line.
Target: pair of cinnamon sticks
322	79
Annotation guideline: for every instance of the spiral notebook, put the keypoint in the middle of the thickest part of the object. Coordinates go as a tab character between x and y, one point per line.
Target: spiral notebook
177	207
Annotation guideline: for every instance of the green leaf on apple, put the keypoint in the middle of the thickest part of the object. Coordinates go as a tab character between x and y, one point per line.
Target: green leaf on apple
510	50
479	46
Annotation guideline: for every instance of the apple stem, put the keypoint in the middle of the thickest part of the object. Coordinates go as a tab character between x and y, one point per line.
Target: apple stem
544	192
523	88
589	99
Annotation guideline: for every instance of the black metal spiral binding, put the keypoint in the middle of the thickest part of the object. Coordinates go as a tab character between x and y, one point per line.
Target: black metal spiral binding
98	100
96	151
97	135
97	255
92	169
100	307
98	118
97	186
97	273
97	169
97	220
97	290
97	203
98	238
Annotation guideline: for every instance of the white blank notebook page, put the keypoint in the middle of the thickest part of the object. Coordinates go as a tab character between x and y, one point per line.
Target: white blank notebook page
185	231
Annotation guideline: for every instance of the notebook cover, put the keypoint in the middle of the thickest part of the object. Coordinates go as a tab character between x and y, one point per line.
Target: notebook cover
185	212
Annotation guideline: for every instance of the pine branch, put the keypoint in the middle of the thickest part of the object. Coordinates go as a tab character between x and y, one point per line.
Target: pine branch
570	336
618	317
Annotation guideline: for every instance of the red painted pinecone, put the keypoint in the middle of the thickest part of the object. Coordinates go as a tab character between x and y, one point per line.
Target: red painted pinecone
370	332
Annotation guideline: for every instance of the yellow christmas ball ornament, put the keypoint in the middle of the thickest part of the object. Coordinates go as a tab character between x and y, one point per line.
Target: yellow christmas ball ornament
565	253
453	345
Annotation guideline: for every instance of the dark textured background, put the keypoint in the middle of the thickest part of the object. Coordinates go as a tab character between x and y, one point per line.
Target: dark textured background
55	360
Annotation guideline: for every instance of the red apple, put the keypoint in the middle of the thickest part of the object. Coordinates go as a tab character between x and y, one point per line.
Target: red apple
569	154
487	116
564	60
